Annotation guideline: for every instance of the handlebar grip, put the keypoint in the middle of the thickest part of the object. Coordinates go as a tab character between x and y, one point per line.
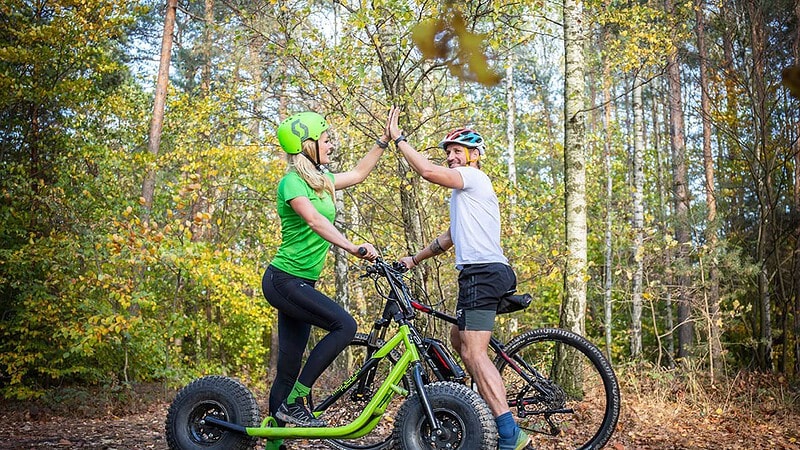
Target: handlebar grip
400	267
362	251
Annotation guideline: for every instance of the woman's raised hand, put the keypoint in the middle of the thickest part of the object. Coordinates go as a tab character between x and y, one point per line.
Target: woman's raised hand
392	123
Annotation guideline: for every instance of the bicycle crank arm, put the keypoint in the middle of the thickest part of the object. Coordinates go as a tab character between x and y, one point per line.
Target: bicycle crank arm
547	413
224	425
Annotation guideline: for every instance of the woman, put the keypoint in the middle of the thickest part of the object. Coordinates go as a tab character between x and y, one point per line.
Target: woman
306	207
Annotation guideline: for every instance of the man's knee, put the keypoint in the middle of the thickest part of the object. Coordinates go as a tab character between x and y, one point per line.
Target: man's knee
473	346
472	353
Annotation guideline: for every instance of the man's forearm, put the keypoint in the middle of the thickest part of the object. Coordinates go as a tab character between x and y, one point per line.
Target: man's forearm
418	162
439	245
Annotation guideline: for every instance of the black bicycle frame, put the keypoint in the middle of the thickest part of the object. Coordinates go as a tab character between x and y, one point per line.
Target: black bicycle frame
499	348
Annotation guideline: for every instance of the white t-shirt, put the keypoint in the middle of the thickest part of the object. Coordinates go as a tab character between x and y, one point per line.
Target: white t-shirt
475	220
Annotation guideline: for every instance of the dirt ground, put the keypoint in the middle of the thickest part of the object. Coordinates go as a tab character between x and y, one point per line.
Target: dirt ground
751	412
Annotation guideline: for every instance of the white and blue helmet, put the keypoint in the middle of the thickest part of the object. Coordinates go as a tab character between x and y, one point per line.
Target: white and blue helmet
467	137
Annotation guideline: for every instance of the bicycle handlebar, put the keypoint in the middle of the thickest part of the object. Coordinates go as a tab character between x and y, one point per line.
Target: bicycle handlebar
398	290
381	267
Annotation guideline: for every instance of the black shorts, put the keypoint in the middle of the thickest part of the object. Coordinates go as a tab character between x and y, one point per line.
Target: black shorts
480	287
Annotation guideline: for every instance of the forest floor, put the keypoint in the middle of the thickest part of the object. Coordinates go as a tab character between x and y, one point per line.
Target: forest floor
660	411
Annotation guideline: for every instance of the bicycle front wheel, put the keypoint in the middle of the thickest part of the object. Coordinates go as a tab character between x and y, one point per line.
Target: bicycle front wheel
561	389
350	405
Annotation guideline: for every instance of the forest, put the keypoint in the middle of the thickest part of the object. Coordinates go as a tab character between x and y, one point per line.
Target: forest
645	155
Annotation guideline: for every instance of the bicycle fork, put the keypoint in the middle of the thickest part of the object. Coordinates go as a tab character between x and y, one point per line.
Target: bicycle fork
423	396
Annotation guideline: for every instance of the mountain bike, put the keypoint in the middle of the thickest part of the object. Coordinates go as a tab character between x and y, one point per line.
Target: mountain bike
216	412
560	387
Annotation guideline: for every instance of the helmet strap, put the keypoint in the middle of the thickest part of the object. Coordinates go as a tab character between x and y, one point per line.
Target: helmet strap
469	156
320	167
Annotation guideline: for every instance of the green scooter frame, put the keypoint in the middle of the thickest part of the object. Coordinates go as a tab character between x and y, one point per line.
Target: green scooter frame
374	410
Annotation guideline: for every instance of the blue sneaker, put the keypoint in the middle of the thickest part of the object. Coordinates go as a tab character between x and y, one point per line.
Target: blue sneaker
519	441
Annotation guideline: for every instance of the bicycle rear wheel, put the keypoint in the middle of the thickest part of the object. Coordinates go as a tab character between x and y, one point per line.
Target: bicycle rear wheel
572	399
352	403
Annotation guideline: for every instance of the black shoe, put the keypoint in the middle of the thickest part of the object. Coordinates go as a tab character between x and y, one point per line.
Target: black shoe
298	414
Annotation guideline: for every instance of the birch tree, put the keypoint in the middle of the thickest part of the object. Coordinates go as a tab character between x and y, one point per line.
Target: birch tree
638	218
609	222
573	309
511	117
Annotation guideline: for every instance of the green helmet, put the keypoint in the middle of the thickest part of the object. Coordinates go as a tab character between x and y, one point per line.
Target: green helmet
299	127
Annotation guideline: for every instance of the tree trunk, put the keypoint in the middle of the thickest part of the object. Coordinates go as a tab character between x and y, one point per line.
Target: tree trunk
609	249
762	169
712	288
680	194
638	219
573	309
663	212
208	28
511	117
736	201
274	343
796	258
156	124
340	260
258	95
413	217
200	227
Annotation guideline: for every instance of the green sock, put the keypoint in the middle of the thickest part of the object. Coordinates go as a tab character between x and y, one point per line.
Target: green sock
299	390
274	445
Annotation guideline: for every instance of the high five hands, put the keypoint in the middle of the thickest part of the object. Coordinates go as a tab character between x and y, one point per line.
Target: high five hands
392	123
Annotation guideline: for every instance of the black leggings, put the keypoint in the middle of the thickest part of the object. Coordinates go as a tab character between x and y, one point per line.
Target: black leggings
299	307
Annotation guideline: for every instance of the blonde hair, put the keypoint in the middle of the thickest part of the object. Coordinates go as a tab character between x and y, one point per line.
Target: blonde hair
308	171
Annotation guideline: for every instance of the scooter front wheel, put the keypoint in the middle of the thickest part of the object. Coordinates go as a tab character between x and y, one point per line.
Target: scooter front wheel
219	397
465	421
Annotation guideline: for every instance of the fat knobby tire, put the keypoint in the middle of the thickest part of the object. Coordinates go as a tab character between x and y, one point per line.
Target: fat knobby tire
221	397
465	418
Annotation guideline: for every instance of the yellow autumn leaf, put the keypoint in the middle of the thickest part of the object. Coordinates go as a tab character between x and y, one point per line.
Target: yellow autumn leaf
790	77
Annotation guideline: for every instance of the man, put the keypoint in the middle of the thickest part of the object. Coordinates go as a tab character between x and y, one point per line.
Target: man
484	274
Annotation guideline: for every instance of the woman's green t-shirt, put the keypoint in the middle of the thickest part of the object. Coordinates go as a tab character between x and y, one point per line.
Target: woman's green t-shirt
302	251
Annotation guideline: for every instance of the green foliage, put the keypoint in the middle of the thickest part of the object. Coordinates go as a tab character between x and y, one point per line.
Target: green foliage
642	34
59	69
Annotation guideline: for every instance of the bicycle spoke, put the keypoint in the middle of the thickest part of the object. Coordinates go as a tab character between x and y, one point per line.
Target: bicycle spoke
567	406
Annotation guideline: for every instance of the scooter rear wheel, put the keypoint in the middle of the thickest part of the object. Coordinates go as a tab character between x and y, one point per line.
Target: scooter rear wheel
219	397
